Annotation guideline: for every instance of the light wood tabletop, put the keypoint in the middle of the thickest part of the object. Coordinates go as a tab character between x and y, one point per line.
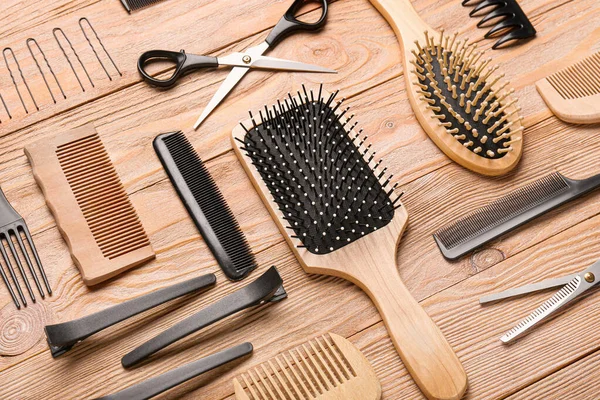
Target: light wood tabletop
559	360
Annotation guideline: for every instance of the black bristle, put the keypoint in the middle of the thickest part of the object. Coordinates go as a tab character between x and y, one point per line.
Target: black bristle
206	205
318	172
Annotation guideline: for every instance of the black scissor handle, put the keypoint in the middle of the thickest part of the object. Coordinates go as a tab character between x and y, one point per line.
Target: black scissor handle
184	63
289	23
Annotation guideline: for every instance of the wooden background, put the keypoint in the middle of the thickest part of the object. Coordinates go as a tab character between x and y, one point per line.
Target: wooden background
561	359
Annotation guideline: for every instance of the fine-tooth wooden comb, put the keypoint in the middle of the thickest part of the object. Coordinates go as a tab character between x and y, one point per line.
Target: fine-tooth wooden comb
325	368
341	217
573	93
89	202
456	95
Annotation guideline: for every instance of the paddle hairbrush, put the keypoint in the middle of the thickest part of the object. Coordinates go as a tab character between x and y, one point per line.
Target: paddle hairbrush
339	215
456	95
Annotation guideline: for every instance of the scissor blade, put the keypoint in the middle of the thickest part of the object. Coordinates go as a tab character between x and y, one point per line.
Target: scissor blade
559	300
534	287
228	84
287	65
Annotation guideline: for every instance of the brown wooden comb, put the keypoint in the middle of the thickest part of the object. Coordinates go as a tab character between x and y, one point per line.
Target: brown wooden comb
325	368
573	93
89	202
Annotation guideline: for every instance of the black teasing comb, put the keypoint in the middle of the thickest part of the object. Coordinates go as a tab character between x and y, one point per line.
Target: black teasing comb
511	21
205	204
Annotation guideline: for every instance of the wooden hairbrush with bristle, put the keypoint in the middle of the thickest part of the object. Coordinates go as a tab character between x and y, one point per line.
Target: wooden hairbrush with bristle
340	216
456	95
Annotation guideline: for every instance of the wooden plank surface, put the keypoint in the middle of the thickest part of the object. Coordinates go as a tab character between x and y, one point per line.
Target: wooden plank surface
553	362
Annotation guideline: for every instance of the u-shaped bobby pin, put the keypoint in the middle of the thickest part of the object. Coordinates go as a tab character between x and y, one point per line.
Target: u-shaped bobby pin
67	57
32	40
81	20
14	81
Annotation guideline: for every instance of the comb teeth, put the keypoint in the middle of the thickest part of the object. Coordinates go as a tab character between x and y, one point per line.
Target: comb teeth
319	171
501	210
305	372
238	260
131	5
100	195
545	310
463	97
510	20
581	79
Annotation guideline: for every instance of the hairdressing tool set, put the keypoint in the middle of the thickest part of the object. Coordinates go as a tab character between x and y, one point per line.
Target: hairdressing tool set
89	203
205	204
14	229
509	20
509	212
456	96
340	216
573	93
574	286
327	368
241	62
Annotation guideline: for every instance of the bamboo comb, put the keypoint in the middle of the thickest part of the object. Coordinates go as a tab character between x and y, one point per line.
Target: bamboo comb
325	368
456	95
89	203
341	217
573	93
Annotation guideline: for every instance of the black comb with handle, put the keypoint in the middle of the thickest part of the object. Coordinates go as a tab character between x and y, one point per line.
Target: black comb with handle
510	212
205	204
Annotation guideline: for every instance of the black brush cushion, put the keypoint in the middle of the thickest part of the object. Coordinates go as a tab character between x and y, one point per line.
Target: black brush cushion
318	174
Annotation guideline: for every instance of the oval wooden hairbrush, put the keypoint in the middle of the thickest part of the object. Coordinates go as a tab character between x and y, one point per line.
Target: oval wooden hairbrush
340	216
456	95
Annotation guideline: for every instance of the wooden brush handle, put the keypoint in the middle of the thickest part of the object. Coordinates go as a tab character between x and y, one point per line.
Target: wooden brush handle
423	348
403	18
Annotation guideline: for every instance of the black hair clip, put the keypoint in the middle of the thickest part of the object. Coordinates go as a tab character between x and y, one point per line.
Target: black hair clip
159	384
62	337
510	20
267	288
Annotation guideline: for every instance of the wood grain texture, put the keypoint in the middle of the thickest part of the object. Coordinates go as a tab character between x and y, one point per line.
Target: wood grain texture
128	114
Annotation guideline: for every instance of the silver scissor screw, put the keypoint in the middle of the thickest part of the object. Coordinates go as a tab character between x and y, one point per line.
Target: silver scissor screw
246	59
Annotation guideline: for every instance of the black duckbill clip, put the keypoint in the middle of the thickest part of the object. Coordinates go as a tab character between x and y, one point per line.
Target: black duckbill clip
267	288
511	22
62	337
159	384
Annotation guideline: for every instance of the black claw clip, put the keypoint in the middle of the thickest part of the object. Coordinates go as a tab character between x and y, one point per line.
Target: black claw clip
267	288
62	337
510	21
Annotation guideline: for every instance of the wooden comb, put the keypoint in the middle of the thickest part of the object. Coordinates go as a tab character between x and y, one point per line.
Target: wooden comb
573	93
90	205
457	96
325	368
339	215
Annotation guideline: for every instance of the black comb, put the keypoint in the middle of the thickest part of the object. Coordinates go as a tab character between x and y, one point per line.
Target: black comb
132	5
509	212
205	204
341	199
510	20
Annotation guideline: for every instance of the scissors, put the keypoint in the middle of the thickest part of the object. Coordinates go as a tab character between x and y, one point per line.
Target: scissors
573	287
241	62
